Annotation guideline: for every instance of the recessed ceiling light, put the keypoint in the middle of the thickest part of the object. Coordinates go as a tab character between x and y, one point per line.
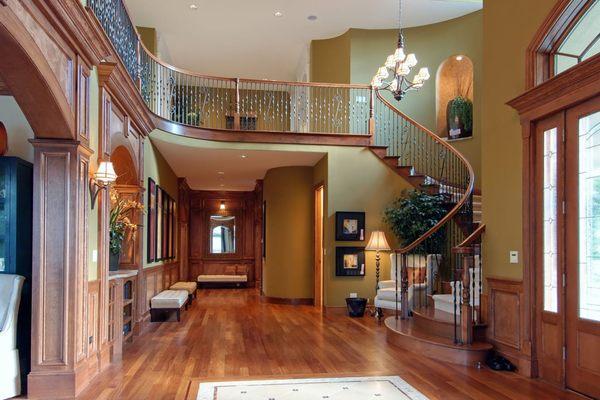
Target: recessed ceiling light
244	156
221	173
278	14
193	7
222	185
459	58
312	18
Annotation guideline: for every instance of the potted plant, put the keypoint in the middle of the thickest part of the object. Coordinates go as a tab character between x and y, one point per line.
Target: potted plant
409	217
459	114
120	225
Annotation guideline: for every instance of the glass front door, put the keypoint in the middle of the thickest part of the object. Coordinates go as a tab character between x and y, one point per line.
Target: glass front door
582	237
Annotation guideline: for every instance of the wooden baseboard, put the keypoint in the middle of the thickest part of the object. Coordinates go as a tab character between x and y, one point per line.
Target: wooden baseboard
289	302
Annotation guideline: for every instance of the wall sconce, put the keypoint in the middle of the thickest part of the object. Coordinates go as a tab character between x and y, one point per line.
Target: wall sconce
222	206
104	176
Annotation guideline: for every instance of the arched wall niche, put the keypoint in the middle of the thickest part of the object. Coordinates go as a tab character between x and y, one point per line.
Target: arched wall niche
125	166
128	187
454	78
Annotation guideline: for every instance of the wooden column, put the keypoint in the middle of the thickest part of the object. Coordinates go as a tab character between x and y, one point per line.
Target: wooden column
183	217
60	228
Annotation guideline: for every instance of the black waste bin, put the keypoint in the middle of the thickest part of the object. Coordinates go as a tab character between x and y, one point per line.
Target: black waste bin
356	306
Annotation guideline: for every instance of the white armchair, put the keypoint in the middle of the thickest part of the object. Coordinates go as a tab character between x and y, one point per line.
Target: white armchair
10	297
386	292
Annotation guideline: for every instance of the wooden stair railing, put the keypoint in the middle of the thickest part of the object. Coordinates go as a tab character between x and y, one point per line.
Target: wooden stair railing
432	165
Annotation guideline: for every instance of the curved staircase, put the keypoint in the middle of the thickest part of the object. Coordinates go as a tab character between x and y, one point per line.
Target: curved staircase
446	326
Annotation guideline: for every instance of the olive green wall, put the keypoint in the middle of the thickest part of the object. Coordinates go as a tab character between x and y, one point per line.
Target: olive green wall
148	37
157	168
334	60
357	180
289	262
432	44
504	69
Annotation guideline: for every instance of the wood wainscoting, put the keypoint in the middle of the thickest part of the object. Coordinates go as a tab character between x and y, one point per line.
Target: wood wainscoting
157	279
507	322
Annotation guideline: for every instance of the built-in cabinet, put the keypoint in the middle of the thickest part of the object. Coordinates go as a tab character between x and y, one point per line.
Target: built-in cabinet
16	205
121	310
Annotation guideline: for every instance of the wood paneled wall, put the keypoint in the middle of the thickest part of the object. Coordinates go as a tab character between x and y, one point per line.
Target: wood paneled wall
244	206
507	323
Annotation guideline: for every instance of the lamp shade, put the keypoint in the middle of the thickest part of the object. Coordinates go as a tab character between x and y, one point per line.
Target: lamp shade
106	173
378	242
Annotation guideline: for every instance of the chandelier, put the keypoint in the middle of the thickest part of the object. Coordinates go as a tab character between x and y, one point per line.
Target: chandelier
393	75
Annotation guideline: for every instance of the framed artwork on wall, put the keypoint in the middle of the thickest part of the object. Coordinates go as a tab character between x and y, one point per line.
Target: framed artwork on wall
159	224
151	237
349	226
349	261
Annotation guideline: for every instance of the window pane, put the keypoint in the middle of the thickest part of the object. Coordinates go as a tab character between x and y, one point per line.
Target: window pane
589	217
550	228
583	35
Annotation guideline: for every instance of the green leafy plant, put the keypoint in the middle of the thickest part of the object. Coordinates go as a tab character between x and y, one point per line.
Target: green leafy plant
119	222
413	214
460	111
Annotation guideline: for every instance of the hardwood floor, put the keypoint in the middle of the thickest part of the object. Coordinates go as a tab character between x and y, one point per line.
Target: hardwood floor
229	334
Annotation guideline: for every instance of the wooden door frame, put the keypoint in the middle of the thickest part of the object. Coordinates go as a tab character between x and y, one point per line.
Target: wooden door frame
319	245
554	366
563	91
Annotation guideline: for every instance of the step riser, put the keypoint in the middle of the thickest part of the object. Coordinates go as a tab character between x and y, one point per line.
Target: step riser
466	357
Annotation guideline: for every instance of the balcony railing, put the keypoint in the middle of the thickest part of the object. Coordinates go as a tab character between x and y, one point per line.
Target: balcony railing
196	100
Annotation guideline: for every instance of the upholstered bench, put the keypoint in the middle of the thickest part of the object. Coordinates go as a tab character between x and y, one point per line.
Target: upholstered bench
190	287
168	303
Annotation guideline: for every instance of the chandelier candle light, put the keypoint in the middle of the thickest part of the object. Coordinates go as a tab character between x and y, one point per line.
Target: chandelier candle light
393	75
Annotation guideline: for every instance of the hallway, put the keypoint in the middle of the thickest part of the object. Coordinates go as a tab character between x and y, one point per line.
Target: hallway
229	334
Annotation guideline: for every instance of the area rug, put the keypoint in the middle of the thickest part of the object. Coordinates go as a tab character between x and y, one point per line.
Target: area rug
354	388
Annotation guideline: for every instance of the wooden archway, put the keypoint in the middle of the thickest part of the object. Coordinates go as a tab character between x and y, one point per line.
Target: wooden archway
125	166
31	80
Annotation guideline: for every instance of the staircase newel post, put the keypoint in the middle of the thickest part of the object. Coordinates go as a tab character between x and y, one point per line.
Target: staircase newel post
466	320
236	114
372	114
404	287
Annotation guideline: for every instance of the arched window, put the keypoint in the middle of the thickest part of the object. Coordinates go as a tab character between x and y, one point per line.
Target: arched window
454	97
581	42
569	36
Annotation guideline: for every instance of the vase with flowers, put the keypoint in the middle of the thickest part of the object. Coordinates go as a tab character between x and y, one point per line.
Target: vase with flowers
120	225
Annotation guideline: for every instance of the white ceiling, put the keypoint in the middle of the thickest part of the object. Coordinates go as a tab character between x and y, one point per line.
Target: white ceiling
202	166
243	38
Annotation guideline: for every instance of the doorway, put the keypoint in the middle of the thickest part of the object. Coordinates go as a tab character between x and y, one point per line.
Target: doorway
568	247
319	206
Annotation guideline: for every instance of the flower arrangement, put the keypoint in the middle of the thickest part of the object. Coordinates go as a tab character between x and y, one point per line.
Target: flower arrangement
119	222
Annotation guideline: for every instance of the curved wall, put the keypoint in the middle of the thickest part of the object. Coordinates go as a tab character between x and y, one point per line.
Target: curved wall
288	268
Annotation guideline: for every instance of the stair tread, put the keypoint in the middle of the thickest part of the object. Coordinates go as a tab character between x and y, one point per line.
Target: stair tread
408	328
441	316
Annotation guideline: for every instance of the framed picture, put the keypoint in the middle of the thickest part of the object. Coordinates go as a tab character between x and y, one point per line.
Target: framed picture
349	261
159	223
151	237
349	226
